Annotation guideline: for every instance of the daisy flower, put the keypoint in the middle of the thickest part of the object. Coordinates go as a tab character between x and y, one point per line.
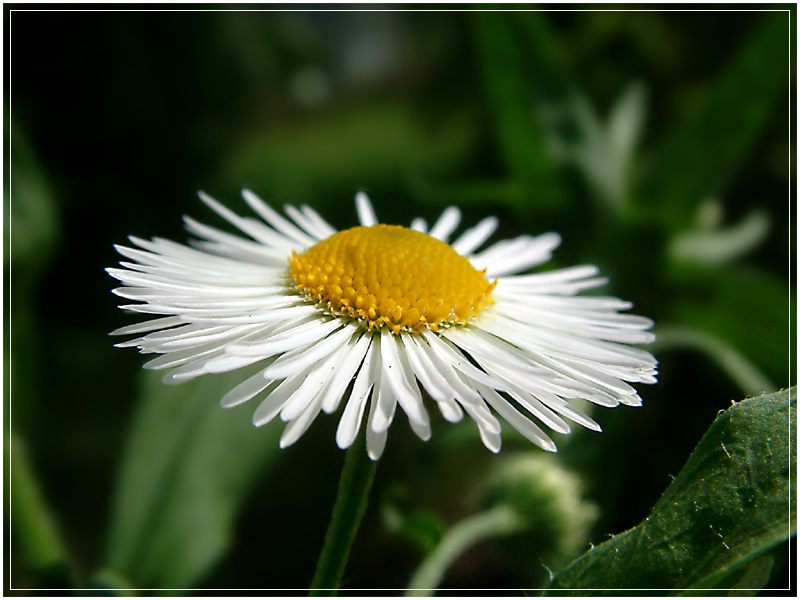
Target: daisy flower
380	316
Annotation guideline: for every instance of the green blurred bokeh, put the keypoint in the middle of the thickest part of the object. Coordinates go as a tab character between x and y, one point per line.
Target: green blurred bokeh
656	143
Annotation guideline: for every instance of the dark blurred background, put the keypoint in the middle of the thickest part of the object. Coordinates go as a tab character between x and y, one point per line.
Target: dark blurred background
657	143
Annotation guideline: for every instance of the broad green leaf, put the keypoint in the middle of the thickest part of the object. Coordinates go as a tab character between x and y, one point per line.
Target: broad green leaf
509	85
187	468
700	155
729	505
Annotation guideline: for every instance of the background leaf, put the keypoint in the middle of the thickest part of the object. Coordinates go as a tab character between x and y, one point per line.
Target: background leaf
747	308
187	468
508	85
34	528
700	155
729	504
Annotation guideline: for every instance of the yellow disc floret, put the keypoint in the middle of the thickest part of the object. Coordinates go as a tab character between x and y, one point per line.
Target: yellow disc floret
390	276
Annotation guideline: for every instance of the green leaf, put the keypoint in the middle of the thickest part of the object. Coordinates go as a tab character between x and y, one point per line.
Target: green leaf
729	505
187	468
32	223
700	156
550	63
509	84
33	528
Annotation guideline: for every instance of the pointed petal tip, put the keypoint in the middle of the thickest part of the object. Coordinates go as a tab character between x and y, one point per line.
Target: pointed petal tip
249	195
227	403
205	198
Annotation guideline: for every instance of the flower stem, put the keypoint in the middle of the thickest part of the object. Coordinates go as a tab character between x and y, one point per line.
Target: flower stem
351	503
739	368
500	520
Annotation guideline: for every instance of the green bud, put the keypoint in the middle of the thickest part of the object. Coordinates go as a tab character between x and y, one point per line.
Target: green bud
548	500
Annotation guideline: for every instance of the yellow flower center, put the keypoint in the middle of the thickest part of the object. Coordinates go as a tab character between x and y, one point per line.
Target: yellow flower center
390	276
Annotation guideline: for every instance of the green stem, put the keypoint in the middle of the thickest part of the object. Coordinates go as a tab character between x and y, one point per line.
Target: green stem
500	520
351	503
738	367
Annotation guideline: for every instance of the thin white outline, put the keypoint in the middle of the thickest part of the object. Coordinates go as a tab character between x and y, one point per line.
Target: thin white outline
314	7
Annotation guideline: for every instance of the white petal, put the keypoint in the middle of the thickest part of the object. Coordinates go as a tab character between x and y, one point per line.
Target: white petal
156	282
225	242
398	380
311	389
308	226
366	215
420	225
472	238
223	363
300	425
297	337
423	430
463	392
258	231
562	406
170	360
292	362
492	441
555	276
541	412
151	325
422	370
354	409
272	217
345	371
250	387
458	361
322	225
446	224
386	404
425	373
517	420
376	440
536	252
273	403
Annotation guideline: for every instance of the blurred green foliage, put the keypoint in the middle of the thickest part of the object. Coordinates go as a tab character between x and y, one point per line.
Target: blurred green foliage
184	476
656	143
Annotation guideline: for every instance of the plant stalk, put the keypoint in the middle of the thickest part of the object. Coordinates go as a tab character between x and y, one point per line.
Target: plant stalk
351	503
500	520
